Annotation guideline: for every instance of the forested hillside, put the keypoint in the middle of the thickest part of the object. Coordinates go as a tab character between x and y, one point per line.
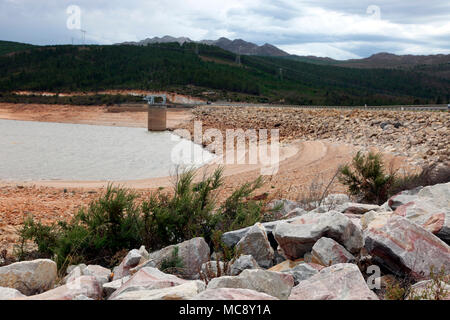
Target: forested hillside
180	67
8	47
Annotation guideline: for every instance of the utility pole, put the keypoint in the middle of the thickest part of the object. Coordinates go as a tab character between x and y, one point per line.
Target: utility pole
196	48
83	32
238	57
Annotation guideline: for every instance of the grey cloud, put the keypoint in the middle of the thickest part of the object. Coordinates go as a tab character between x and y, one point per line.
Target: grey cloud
44	22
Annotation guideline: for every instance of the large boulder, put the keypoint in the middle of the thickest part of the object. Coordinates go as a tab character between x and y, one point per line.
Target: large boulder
242	263
232	294
29	277
428	207
427	214
256	244
10	293
87	286
298	237
439	194
405	248
275	284
100	273
131	260
231	238
403	197
327	252
148	279
183	291
341	281
193	254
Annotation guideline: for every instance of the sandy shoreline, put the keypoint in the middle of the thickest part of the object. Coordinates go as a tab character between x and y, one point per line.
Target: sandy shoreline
95	115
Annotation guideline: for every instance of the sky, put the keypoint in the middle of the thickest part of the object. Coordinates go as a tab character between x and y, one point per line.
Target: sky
325	28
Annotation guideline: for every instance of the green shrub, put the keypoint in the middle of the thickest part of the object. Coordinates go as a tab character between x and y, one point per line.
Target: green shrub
368	181
366	178
186	214
115	222
236	212
45	237
94	234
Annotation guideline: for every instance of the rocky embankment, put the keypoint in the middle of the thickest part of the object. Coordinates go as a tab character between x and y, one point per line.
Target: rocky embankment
340	250
421	136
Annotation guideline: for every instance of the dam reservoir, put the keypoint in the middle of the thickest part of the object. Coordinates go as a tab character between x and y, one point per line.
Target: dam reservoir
32	151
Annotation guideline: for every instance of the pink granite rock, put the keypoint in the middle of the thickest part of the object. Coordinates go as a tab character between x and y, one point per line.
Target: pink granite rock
404	247
146	279
232	294
327	252
276	284
341	281
425	213
298	237
194	253
87	286
256	244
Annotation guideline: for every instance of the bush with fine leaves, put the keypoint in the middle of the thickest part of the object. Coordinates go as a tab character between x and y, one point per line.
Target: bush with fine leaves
366	178
95	234
116	222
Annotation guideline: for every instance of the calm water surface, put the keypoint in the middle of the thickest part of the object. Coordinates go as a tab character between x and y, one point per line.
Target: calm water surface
54	151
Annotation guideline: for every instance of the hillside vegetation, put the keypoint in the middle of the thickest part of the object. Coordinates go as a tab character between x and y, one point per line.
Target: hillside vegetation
179	68
9	47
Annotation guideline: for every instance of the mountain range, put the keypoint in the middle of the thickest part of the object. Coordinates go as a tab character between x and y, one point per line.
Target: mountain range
237	46
381	60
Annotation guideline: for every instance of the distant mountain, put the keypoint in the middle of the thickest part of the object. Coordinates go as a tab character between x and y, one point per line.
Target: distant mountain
434	65
382	60
389	60
237	46
165	39
240	46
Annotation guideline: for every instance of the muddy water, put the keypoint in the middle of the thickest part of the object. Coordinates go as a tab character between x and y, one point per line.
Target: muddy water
55	151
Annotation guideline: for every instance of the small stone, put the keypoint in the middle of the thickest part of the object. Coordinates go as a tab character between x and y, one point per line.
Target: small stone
244	262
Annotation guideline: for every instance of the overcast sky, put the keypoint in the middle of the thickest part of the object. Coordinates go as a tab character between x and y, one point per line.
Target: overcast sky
336	29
